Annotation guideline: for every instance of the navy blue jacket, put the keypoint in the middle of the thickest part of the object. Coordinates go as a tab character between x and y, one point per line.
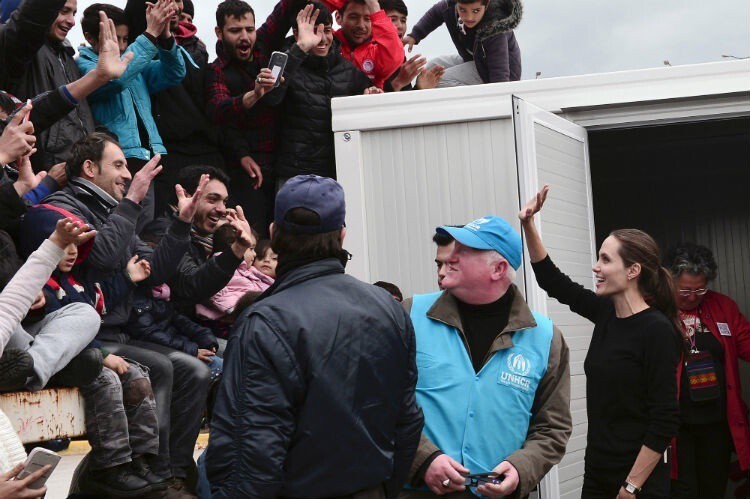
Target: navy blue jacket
157	321
317	397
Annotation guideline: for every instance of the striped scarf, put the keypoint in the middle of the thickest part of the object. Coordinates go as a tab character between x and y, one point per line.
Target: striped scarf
205	241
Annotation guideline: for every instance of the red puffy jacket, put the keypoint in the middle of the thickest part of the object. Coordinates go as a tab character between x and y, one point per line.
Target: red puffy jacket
382	55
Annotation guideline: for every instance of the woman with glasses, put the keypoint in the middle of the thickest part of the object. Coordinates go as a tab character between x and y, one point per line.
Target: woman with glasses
713	416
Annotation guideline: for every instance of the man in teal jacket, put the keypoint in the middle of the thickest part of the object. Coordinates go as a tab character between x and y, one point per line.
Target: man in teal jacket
494	379
124	105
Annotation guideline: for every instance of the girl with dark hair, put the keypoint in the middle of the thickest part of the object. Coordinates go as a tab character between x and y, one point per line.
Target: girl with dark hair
631	393
713	416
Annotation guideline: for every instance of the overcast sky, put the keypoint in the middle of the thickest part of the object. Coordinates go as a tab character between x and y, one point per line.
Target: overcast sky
578	37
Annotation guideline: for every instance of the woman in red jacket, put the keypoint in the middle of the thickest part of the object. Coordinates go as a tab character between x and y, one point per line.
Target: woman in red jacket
713	416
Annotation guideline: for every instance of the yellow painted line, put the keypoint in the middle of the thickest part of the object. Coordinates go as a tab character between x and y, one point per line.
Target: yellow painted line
81	447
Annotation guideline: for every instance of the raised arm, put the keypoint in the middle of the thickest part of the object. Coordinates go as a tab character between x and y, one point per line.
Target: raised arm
430	21
559	286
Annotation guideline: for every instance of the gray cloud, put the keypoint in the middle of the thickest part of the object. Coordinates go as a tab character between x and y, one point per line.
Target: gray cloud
581	37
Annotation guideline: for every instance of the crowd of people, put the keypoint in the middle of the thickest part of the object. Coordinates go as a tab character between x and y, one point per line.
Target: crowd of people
171	244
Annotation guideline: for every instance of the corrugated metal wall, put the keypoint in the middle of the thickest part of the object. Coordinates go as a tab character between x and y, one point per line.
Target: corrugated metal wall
432	175
565	228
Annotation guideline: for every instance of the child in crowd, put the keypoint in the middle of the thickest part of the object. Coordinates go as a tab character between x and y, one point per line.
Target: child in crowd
155	319
246	278
414	67
265	258
482	31
120	410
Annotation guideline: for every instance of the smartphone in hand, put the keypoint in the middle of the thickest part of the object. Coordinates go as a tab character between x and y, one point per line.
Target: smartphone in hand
38	459
277	65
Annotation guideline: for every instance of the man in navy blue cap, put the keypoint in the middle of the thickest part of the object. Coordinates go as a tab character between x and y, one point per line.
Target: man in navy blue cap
494	380
317	397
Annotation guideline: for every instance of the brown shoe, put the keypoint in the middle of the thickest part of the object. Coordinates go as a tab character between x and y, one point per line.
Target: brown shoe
178	490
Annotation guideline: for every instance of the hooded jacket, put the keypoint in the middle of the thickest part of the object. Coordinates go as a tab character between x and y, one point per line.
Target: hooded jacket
156	321
120	103
317	398
116	242
306	132
495	50
53	66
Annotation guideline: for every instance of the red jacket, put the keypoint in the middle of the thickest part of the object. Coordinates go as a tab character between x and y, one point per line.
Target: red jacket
382	55
720	309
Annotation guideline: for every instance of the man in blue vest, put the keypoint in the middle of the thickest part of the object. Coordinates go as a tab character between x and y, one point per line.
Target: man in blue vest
494	379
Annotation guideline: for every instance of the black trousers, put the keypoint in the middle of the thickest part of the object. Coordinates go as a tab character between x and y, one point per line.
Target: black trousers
703	456
606	484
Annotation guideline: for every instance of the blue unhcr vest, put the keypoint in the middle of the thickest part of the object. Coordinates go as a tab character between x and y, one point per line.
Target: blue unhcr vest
478	419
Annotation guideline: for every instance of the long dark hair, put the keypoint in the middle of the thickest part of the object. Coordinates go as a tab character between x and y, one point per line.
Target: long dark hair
655	282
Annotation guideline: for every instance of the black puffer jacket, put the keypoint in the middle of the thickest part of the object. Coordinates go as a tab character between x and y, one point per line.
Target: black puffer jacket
318	392
311	82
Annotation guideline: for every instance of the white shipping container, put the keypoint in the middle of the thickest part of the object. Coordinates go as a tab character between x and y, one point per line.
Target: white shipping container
666	150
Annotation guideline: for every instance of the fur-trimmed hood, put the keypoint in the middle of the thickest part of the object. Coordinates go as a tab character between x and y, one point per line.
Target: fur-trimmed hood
501	16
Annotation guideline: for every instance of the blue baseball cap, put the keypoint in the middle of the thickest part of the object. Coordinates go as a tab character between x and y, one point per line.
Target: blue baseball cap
321	195
489	233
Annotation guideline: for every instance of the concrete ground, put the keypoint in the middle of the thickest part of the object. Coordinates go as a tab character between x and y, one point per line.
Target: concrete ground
59	482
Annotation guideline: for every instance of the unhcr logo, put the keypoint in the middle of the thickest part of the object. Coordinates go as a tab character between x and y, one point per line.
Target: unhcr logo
476	224
518	364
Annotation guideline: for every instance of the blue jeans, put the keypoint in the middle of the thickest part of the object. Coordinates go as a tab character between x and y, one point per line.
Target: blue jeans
202	488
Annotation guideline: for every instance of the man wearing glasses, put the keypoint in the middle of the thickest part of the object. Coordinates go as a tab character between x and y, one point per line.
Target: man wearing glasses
494	379
713	417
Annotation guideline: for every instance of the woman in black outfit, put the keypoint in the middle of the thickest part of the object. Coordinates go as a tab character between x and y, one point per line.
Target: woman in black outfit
631	389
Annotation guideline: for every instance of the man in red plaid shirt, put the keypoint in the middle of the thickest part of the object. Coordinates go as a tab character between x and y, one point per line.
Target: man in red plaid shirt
235	84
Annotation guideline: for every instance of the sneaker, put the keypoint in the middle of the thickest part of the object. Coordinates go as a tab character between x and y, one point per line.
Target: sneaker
142	470
16	366
81	370
118	481
178	490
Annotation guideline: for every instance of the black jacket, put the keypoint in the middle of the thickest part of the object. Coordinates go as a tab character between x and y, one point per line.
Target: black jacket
53	66
116	242
156	321
198	276
494	48
317	398
23	35
311	82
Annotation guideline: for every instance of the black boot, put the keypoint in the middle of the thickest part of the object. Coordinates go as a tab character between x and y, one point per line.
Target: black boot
16	366
118	481
141	469
81	370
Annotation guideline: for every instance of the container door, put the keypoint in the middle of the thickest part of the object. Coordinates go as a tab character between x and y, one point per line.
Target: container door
551	150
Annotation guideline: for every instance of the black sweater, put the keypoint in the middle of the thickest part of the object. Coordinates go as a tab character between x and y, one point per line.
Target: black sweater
631	386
